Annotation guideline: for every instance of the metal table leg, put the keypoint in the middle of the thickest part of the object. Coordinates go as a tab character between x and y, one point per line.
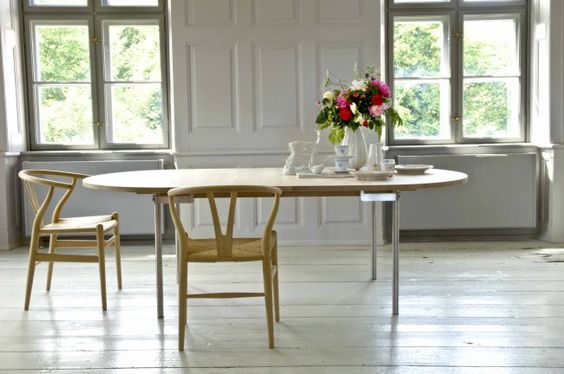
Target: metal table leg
395	250
373	239
158	256
394	198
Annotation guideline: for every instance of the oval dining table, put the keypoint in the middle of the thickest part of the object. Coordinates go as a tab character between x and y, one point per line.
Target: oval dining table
157	183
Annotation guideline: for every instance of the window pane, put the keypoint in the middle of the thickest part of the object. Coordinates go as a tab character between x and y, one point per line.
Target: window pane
420	49
134	53
132	3
423	107
62	53
135	114
65	114
72	3
491	47
491	108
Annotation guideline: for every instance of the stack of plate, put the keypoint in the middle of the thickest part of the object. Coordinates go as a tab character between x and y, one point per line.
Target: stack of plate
413	168
373	175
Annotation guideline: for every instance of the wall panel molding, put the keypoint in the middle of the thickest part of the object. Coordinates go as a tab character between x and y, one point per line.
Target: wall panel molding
290	212
278	92
335	12
275	12
339	57
210	13
212	83
341	211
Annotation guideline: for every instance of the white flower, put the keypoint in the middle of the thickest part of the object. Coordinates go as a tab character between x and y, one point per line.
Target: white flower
354	109
329	95
359	118
358	85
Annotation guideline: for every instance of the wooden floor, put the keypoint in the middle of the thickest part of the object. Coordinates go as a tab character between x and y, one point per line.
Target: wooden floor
464	308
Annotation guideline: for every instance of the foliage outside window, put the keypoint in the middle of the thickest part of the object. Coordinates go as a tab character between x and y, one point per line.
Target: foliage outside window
96	74
457	70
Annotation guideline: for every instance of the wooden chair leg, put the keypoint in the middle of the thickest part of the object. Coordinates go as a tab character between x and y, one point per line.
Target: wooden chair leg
275	285
33	245
182	301
267	276
102	264
52	240
117	248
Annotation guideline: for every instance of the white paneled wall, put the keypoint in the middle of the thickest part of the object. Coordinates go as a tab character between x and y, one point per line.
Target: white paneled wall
247	73
246	79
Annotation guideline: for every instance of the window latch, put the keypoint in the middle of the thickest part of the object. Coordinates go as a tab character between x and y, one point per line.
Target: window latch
99	124
96	40
456	119
457	35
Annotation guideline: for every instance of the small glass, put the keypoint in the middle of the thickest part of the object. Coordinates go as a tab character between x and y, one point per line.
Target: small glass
389	165
372	158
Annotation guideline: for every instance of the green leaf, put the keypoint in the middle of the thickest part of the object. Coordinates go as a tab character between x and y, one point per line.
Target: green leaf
321	117
336	135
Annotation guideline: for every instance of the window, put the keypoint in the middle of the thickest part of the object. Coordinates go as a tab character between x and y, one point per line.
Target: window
96	74
457	70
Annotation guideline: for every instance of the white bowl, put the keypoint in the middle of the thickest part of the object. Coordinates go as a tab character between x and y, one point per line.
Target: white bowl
342	150
342	163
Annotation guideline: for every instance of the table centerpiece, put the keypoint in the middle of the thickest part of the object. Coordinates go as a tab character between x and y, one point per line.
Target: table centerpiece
345	107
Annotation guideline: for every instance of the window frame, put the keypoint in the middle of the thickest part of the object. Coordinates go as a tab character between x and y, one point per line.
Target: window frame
101	74
523	78
425	14
31	65
94	14
458	9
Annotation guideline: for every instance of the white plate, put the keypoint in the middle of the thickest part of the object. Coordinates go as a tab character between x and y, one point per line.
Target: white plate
413	168
334	171
323	175
372	175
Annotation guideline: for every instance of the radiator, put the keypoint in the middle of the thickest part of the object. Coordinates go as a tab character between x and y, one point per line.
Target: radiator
501	193
136	211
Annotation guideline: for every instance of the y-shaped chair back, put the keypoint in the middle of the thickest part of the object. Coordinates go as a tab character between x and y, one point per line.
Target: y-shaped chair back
32	177
224	241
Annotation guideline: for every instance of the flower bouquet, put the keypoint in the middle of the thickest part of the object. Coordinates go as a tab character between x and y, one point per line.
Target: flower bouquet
366	101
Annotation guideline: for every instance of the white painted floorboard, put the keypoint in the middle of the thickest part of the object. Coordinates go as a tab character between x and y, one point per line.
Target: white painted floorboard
464	308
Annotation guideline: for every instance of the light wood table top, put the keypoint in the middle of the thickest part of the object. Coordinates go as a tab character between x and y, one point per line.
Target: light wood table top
161	181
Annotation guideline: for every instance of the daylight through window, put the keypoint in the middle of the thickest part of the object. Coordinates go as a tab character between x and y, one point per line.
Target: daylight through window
96	74
457	70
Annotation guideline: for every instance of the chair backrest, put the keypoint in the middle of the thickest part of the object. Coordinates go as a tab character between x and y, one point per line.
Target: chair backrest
224	242
62	180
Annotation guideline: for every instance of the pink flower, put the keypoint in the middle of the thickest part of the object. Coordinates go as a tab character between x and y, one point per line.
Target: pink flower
383	88
376	111
342	102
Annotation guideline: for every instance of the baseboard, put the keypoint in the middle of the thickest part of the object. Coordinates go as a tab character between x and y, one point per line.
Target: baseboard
469	235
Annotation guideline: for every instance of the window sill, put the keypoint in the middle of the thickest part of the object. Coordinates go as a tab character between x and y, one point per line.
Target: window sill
465	148
74	152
